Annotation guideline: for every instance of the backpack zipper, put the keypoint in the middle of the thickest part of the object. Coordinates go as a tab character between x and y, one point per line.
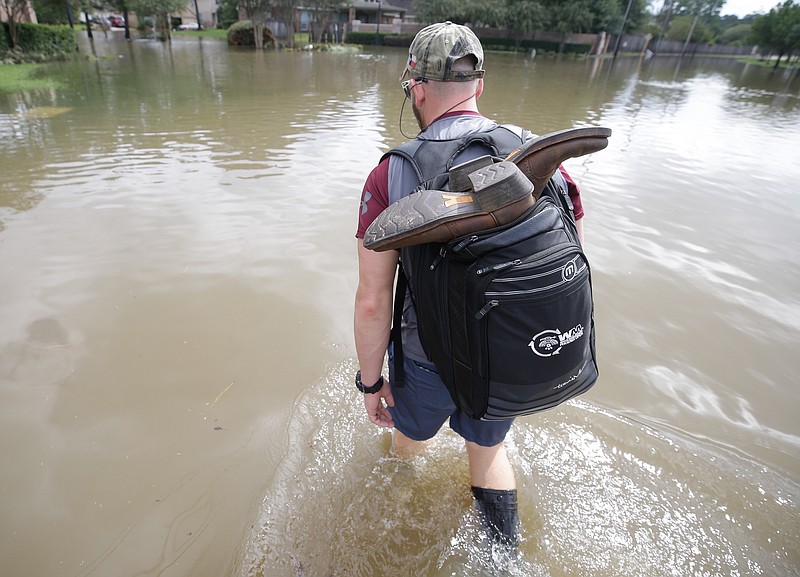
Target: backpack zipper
486	308
521	266
457	248
439	257
542	260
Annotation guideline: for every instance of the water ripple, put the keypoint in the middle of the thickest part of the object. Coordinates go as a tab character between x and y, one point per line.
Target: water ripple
600	495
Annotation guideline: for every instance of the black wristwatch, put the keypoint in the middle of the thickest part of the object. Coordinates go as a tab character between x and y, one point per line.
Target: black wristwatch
368	390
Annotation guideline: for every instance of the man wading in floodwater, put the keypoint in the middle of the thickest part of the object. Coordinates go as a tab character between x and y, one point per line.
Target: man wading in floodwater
443	80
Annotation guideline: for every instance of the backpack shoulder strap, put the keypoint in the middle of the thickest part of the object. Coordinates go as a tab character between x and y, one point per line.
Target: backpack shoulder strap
399	377
428	157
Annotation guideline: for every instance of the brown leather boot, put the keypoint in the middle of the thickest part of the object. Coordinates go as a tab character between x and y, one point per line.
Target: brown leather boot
491	196
538	159
497	194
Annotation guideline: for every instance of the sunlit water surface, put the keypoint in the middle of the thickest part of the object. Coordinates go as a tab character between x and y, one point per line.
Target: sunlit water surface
176	359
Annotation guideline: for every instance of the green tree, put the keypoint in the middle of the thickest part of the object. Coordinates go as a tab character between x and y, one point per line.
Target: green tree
438	11
779	30
694	7
607	16
485	13
324	12
227	13
52	11
521	17
256	12
570	16
737	35
681	26
702	15
638	17
14	9
525	16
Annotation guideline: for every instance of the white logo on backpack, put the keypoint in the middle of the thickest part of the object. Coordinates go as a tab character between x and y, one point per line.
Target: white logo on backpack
548	343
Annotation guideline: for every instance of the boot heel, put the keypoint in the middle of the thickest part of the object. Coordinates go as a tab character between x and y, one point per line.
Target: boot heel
499	185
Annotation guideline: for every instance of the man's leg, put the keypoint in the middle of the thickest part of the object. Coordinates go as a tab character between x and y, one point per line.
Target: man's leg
489	467
494	488
406	447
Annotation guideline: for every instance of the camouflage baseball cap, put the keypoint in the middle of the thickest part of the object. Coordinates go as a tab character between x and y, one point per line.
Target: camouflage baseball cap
436	47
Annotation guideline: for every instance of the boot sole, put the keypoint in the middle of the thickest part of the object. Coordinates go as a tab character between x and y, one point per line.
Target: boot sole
406	221
499	193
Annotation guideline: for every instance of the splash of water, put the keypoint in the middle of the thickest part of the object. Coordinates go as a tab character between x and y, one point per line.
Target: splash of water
599	495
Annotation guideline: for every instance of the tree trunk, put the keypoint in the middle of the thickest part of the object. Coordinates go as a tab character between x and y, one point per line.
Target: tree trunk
258	31
163	28
197	16
69	16
127	27
88	25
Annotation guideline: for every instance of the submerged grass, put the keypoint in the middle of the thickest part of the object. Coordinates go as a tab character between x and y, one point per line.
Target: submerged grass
207	33
18	77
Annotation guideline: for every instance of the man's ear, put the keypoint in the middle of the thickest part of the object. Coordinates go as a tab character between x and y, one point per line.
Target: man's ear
479	90
419	93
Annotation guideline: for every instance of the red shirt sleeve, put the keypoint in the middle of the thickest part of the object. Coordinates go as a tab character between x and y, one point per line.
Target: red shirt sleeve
574	194
374	197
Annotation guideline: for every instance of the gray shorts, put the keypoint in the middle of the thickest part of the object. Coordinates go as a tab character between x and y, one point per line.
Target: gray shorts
423	405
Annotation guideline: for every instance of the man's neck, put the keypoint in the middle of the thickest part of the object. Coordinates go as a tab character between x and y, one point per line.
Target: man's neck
452	113
468	105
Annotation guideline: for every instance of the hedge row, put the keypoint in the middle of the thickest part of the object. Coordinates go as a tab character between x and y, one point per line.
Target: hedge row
404	40
528	45
40	39
371	38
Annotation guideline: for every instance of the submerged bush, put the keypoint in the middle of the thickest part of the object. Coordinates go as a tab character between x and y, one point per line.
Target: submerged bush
242	34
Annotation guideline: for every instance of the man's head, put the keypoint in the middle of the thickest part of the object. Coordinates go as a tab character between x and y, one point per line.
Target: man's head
445	66
436	48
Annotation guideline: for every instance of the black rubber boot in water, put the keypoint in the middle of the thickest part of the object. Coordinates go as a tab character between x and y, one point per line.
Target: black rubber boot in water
498	511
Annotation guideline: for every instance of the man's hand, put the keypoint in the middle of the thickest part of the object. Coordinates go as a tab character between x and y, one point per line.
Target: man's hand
376	409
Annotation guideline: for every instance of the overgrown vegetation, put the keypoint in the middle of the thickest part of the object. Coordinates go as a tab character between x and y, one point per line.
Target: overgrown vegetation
522	17
698	20
36	42
779	31
242	34
24	77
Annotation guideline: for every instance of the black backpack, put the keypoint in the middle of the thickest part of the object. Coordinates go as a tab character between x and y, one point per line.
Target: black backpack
507	314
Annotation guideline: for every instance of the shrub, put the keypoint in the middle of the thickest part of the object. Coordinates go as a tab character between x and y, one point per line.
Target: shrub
47	40
499	43
371	38
241	34
401	40
577	48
